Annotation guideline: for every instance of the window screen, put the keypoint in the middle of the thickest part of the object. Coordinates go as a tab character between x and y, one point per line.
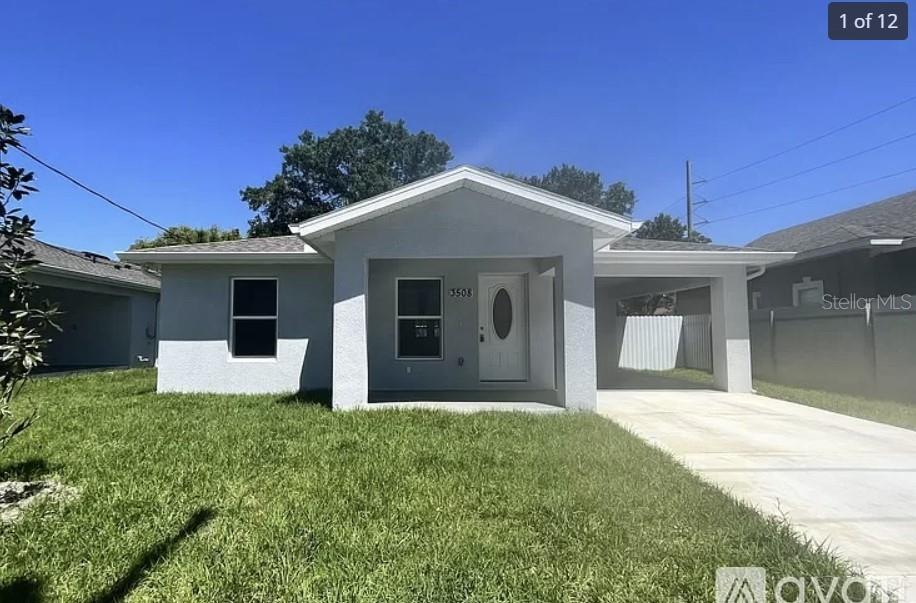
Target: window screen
419	318
254	318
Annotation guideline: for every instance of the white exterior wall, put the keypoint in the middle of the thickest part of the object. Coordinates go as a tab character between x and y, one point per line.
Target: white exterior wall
194	330
468	224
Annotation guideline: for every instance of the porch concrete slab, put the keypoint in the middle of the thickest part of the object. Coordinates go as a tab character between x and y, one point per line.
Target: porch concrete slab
841	480
469	406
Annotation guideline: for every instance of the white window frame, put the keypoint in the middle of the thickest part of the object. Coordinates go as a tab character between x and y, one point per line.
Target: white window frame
805	284
440	317
233	318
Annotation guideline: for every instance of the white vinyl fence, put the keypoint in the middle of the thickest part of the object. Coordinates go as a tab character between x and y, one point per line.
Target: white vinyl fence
660	343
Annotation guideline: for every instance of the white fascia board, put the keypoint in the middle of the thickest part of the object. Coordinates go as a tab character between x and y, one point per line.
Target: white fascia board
639	256
484	182
216	257
92	278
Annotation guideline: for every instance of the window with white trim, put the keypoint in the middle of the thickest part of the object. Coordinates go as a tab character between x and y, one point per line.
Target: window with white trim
808	292
253	332
418	322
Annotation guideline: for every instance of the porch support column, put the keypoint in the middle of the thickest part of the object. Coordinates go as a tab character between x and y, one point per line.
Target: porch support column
580	382
351	358
731	344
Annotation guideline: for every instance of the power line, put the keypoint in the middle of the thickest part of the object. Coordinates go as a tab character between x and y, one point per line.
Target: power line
815	196
813	140
92	191
811	169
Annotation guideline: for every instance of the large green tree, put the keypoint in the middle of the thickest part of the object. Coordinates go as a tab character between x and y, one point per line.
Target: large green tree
666	227
321	173
183	235
585	186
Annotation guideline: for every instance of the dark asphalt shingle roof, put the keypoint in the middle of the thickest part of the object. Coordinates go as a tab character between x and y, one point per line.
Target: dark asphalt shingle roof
91	264
633	244
891	218
281	244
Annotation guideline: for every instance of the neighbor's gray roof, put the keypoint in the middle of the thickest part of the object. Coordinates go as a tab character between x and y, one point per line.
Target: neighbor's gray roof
633	244
890	218
281	244
91	264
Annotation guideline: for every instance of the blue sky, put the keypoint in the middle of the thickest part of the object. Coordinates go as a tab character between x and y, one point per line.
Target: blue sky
172	107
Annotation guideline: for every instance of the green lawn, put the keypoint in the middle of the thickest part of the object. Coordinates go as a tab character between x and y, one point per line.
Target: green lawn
901	414
234	498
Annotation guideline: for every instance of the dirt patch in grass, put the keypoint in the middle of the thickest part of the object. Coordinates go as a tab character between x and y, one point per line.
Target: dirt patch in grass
16	497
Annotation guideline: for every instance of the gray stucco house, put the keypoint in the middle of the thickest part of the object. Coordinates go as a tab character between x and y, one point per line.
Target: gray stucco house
867	251
108	308
462	284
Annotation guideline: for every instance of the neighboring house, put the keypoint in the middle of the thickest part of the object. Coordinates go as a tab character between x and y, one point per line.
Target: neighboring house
465	285
864	252
108	309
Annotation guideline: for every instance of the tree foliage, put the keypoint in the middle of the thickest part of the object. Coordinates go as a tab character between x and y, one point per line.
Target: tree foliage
322	173
587	187
23	320
666	227
184	235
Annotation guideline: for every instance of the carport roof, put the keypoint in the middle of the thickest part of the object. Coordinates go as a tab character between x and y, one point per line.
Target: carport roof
630	250
657	245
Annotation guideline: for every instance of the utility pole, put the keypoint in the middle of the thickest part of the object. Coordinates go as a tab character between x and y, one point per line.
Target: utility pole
689	202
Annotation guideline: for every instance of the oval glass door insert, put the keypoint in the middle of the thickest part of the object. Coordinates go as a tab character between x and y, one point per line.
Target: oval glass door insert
502	313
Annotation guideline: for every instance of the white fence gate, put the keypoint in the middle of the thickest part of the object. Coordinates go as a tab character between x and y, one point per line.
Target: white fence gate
660	343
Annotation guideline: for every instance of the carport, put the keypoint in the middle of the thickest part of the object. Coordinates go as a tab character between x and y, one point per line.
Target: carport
633	267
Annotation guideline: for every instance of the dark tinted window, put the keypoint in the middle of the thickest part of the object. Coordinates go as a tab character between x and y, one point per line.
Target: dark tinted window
254	337
502	314
254	297
419	338
420	297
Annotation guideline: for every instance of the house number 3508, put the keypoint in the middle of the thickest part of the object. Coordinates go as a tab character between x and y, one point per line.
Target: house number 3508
468	292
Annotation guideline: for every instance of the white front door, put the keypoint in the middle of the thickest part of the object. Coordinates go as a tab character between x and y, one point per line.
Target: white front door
502	313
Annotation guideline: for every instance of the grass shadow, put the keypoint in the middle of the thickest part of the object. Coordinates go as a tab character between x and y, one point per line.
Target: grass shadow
22	590
315	397
156	554
24	471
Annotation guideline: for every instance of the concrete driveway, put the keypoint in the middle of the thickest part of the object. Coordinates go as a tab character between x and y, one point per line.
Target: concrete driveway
846	481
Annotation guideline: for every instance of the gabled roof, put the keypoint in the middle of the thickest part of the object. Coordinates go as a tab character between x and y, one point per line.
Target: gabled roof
507	189
287	248
70	263
893	218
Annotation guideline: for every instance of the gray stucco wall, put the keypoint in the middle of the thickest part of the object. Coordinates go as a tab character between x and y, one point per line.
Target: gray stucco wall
841	274
94	329
467	224
460	323
194	330
102	325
